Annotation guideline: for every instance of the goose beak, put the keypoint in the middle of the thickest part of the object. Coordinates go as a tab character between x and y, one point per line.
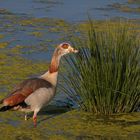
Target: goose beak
72	50
75	51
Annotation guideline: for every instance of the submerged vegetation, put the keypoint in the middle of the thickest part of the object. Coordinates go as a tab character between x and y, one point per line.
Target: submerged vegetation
105	77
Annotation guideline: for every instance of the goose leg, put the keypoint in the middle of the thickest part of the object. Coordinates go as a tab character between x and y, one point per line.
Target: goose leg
35	118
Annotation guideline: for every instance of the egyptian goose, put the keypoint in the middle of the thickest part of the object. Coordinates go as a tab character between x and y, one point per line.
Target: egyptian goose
32	94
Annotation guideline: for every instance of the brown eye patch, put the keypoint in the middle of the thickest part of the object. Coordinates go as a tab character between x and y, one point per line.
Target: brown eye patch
65	45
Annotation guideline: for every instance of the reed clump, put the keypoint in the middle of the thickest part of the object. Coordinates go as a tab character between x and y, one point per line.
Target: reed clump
104	78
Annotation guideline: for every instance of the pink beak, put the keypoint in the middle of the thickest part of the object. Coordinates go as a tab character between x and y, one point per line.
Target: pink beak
72	50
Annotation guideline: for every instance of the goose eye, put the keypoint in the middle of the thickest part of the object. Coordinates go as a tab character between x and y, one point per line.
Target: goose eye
65	46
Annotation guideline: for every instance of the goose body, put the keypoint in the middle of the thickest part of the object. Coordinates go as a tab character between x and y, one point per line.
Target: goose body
34	93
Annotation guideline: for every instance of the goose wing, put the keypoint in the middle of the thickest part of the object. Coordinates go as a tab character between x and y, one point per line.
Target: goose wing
25	89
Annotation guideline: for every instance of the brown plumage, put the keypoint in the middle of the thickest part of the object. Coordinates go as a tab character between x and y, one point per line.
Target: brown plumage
24	89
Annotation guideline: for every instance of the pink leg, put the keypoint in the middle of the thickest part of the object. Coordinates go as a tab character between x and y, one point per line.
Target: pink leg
35	118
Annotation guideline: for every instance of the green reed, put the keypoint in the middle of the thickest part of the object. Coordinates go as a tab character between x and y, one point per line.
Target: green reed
104	77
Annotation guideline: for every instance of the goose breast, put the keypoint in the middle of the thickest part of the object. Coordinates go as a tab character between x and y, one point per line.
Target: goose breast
40	97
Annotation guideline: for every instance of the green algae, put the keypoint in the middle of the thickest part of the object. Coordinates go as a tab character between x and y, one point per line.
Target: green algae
42	22
133	27
125	8
112	23
78	125
80	122
3	44
36	34
5	11
72	125
1	36
133	1
53	25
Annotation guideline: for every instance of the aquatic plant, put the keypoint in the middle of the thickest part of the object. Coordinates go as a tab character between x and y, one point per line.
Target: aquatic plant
125	8
105	77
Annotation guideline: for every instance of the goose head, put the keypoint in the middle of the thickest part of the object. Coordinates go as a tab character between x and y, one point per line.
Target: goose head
65	48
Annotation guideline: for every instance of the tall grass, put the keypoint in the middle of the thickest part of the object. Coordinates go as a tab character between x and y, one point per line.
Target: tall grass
104	78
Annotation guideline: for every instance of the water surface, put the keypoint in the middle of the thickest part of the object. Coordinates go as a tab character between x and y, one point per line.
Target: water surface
70	10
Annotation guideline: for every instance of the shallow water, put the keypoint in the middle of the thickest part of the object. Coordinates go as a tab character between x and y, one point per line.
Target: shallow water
70	10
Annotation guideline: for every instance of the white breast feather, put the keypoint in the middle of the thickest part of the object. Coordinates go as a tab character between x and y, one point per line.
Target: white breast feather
40	97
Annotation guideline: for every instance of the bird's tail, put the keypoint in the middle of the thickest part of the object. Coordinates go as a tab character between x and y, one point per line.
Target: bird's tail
5	108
